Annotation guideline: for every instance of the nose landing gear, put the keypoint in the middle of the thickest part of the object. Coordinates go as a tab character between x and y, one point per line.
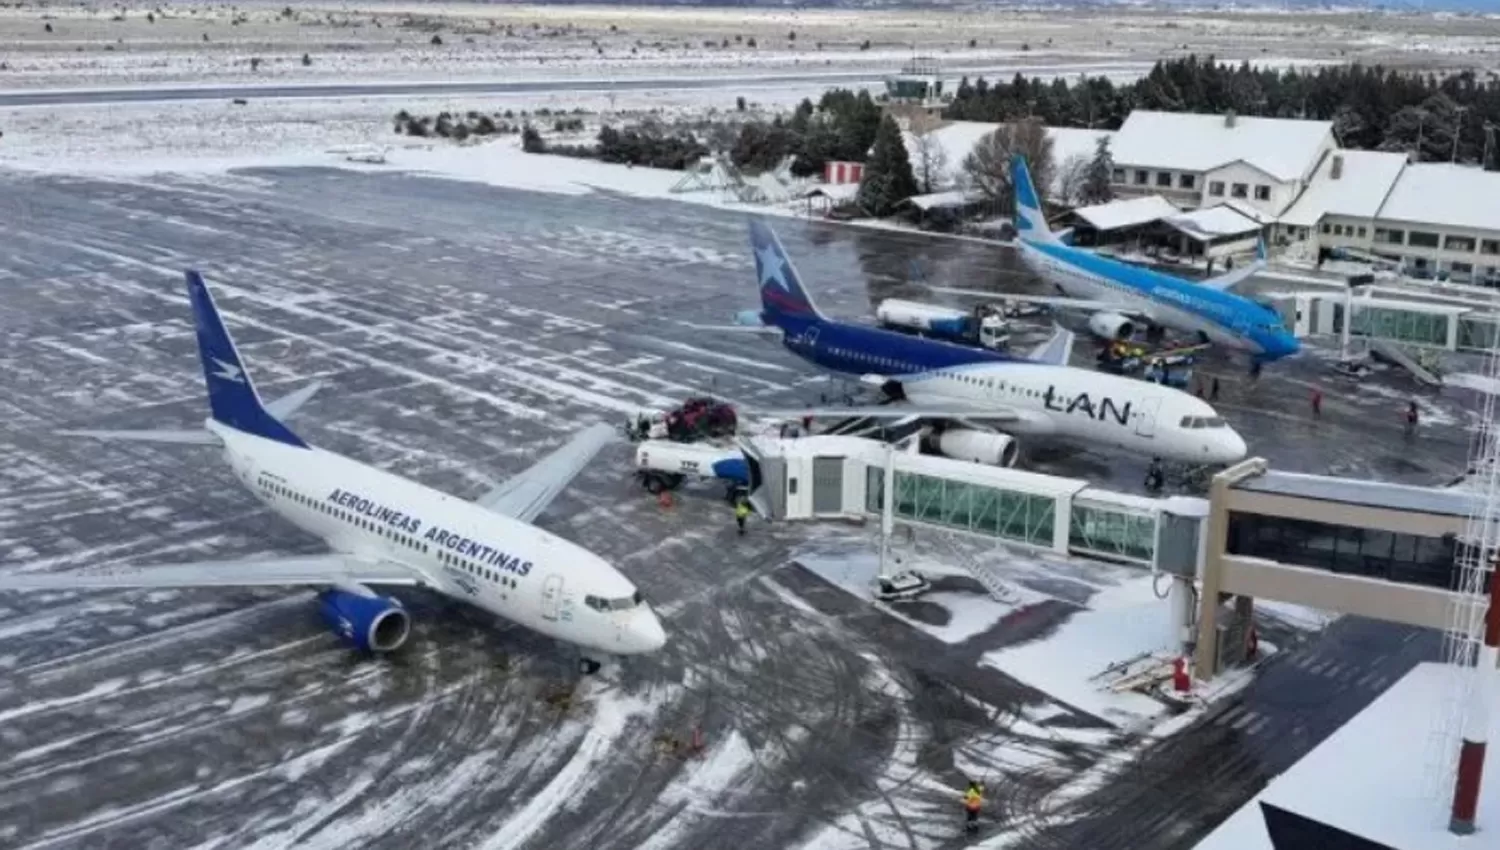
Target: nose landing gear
588	666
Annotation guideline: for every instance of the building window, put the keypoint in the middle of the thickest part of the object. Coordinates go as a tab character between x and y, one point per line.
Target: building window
1216	188
1239	190
1458	243
1141	176
1118	175
1390	237
1262	193
1489	246
1326	228
1187	181
1406	558
1461	268
1164	178
1338	230
1420	239
1301	233
1361	231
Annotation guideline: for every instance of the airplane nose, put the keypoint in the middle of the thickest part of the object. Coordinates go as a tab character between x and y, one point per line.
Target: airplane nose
1232	448
646	633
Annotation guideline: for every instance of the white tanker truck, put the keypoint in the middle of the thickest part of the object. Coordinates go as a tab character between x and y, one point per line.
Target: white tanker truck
664	464
984	326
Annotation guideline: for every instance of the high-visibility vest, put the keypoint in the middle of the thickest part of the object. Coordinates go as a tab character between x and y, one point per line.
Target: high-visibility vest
741	510
973	800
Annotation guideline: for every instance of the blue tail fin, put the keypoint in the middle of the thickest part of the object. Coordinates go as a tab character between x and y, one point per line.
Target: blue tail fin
231	395
781	290
1031	220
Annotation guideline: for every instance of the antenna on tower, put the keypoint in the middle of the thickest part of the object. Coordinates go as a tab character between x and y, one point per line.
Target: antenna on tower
1460	727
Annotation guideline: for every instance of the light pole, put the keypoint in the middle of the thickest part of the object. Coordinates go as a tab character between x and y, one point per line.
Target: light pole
1458	131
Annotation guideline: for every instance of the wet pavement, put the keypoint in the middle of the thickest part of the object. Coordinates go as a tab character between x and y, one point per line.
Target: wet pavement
462	329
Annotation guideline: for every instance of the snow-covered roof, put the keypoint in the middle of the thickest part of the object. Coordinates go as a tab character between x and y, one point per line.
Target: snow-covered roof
1284	148
1247	211
941	200
1445	195
1212	223
956	139
1130	213
834	191
1365	179
1369	782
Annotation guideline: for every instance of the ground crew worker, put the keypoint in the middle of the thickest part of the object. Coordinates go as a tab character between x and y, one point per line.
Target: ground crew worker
1317	402
1411	419
741	513
1154	477
973	802
1213	394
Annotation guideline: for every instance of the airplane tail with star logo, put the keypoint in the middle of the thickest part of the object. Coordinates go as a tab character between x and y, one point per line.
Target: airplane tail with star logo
231	394
782	294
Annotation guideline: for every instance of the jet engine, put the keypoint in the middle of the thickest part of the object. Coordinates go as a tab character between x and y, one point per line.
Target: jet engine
1111	326
369	621
978	446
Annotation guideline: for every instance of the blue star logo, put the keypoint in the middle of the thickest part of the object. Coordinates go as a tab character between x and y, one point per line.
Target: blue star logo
770	265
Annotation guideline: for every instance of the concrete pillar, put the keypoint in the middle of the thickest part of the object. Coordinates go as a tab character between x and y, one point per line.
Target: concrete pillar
1181	596
1216	534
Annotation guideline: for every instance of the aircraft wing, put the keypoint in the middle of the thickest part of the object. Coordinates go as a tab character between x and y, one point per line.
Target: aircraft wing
293	570
526	495
996	413
1064	302
1229	280
1055	351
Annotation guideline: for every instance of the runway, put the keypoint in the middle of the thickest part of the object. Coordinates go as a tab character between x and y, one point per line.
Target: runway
462	330
71	97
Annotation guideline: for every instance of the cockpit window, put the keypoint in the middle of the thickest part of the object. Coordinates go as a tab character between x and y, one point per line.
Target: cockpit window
624	603
1194	422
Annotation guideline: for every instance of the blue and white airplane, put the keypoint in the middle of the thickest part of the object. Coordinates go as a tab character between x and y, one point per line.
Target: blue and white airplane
1118	295
985	399
387	530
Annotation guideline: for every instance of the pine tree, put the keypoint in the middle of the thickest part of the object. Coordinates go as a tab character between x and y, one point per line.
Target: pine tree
1096	184
888	178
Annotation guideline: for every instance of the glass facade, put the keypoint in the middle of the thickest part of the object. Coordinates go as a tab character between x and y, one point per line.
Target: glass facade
1405	558
1112	533
1401	325
991	511
1476	334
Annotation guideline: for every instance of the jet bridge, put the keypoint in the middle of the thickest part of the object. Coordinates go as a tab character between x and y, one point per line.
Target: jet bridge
832	477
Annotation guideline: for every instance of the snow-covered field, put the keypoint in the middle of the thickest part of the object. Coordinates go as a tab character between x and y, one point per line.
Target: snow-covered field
92	42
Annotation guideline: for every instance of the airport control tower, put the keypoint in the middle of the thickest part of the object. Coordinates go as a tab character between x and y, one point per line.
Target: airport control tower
916	91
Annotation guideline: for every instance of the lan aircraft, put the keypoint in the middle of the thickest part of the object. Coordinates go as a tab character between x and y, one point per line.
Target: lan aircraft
1119	295
986	398
387	530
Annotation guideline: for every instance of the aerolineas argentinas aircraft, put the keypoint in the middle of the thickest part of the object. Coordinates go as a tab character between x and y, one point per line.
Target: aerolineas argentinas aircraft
387	530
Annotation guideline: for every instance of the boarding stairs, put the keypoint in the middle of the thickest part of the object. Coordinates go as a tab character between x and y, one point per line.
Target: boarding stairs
950	549
1393	353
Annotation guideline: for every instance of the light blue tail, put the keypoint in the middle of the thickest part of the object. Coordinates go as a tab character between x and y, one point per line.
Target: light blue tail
781	290
1031	220
231	394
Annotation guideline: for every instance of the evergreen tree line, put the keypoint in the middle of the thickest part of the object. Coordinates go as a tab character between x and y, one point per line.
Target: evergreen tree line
1371	107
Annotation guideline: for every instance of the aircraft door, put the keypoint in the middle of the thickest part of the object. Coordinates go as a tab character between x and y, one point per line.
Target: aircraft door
1145	417
551	597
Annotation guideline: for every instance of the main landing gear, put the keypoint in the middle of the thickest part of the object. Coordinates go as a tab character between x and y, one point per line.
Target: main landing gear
588	666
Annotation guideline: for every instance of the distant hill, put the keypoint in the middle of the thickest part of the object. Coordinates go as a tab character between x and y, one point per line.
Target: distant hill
1473	6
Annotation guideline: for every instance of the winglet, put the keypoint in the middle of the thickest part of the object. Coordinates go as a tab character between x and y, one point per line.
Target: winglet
781	289
1055	351
231	394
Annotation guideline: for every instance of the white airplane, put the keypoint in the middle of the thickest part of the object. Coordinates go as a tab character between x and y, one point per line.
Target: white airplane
984	398
387	530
